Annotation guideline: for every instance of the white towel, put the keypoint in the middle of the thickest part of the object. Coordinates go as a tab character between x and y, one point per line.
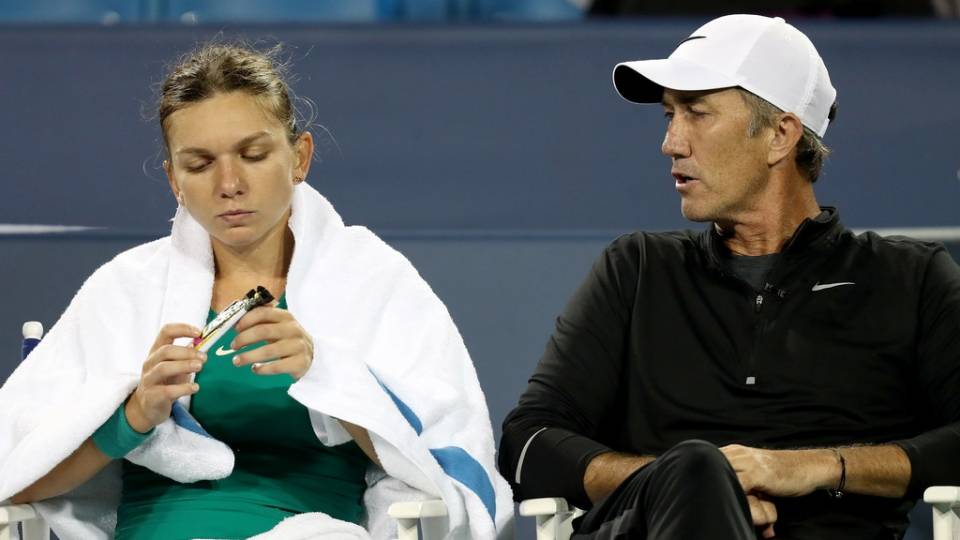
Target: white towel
387	357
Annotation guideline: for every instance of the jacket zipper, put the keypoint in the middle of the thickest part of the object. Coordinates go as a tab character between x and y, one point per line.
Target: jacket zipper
758	328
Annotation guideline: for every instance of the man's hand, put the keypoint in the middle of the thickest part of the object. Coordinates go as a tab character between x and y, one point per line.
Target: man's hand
783	473
764	515
289	347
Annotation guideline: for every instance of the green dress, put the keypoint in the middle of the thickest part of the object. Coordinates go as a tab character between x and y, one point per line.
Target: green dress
281	468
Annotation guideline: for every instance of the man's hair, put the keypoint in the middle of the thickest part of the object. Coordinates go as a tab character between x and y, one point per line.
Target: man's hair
811	152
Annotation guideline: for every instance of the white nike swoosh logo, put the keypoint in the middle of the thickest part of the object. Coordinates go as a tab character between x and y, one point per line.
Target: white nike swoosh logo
822	286
224	352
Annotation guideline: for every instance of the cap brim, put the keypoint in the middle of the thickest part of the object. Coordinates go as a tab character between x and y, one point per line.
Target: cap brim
643	81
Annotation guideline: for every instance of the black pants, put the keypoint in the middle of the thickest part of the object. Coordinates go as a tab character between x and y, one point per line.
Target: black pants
691	492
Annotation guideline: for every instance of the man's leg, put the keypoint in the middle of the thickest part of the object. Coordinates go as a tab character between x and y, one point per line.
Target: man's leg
690	492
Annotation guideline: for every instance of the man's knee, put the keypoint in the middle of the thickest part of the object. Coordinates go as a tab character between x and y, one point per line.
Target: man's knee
696	459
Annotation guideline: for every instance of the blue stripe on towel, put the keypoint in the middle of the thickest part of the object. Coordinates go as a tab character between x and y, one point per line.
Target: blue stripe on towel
185	420
407	412
461	466
454	461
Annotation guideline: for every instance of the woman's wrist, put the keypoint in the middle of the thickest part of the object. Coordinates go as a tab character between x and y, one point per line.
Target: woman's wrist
135	417
116	437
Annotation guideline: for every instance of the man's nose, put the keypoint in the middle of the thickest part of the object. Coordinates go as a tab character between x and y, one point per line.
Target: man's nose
675	144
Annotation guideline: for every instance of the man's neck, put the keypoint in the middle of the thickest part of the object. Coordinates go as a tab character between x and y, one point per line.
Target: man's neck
767	228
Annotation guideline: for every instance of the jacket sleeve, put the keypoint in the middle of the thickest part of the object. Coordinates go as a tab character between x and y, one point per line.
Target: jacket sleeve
550	437
934	453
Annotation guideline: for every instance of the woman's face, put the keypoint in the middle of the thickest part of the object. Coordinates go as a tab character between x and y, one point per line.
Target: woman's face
234	168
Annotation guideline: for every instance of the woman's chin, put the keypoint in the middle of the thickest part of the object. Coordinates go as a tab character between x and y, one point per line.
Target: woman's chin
236	237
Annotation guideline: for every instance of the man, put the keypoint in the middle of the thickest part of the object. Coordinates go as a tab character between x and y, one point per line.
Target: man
772	375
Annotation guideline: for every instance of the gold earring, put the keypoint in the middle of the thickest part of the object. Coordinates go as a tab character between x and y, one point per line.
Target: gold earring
297	179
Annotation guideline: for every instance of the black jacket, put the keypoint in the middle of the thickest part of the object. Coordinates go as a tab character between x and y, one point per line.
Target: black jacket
854	339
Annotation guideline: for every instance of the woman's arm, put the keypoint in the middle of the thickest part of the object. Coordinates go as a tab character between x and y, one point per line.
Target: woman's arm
80	466
164	379
362	439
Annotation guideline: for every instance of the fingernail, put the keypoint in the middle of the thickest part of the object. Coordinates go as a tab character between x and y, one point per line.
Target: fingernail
256	366
195	365
236	360
203	356
196	387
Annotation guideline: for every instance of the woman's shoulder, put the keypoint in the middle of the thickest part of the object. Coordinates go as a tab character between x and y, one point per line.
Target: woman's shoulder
140	262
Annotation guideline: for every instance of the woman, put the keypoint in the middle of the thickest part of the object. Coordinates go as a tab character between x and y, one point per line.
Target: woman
355	370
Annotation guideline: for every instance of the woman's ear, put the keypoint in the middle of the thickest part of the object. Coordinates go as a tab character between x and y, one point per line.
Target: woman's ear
174	187
303	155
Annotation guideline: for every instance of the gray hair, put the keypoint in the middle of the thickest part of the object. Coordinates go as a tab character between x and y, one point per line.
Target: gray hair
811	152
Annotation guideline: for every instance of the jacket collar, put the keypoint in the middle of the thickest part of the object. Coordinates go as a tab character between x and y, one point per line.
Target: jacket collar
811	237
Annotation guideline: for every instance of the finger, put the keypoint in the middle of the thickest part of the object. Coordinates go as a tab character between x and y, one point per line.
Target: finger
174	392
168	353
746	483
272	351
269	332
261	315
759	512
158	375
172	331
296	366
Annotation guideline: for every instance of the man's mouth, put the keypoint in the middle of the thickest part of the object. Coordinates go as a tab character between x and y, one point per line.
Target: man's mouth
682	178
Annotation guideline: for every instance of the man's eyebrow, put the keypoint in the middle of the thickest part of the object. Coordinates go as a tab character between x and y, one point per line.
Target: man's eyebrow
685	99
242	143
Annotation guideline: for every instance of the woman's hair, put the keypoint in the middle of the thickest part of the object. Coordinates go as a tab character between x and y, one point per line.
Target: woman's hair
214	68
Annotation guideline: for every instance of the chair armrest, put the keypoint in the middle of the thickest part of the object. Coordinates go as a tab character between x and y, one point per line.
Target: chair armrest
419	519
942	496
546	506
945	503
554	517
417	509
34	526
15	513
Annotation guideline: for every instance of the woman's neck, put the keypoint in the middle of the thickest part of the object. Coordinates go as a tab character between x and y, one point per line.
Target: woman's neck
265	263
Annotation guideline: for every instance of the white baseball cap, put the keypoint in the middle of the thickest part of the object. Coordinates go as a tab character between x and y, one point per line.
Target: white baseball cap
763	55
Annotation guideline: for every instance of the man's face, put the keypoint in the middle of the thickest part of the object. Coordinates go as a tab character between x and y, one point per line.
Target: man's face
719	170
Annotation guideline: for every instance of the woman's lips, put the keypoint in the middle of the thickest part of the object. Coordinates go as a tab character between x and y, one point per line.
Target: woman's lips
235	216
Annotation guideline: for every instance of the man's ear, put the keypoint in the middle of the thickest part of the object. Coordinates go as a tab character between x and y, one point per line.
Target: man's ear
786	134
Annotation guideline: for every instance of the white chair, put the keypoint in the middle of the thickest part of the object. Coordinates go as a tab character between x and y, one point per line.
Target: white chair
945	501
416	520
554	517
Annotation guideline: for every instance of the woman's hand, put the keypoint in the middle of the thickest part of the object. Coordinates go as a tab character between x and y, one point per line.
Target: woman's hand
289	347
165	377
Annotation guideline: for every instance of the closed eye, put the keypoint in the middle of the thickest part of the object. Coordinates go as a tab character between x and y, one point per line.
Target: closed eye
255	157
197	167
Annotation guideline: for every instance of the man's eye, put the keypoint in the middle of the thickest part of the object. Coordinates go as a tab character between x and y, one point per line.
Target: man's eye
697	112
255	157
668	115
